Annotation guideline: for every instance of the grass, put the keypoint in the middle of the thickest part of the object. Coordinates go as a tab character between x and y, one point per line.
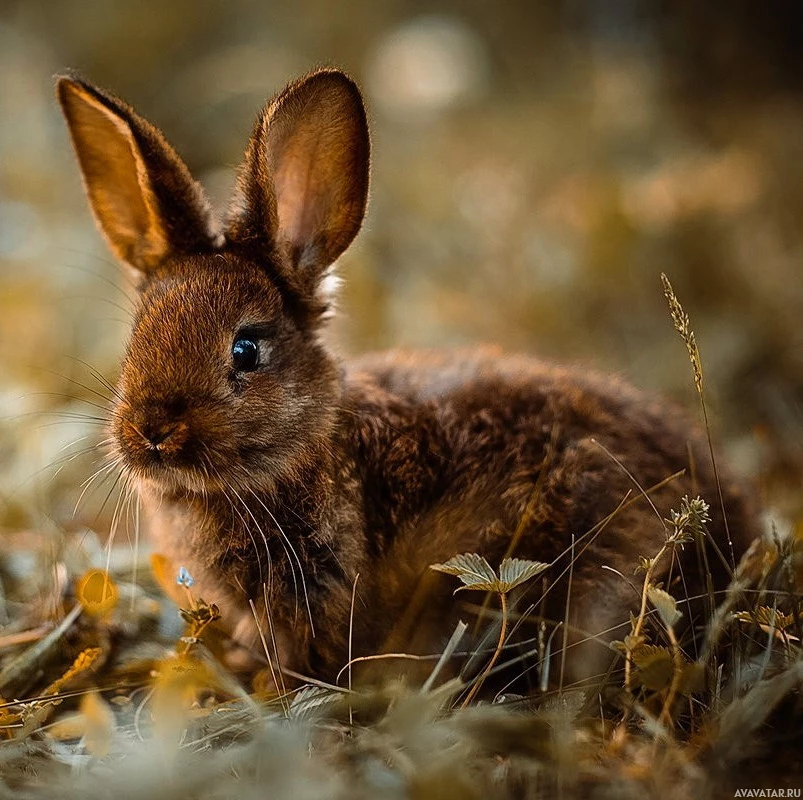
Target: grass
107	689
110	703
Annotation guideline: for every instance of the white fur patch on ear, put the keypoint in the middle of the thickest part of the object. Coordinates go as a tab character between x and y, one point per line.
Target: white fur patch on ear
327	291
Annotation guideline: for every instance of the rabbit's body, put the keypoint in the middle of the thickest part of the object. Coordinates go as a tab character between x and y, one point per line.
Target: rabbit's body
434	454
277	475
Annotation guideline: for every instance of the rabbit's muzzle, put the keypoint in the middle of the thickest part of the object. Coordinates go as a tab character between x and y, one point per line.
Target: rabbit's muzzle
167	442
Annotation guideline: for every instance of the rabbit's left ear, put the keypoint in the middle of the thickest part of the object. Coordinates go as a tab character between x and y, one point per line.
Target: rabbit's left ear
304	184
141	193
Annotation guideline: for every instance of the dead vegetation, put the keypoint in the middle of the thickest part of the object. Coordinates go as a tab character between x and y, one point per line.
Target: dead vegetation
113	684
103	694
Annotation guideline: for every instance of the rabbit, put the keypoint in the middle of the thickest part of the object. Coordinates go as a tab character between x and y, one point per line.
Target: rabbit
308	496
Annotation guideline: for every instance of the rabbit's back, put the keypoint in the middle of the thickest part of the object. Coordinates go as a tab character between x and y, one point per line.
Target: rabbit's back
507	455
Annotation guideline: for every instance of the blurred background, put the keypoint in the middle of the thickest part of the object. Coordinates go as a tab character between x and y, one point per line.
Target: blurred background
536	167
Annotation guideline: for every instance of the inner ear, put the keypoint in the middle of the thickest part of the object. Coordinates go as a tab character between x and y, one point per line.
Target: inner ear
141	193
120	191
303	187
317	152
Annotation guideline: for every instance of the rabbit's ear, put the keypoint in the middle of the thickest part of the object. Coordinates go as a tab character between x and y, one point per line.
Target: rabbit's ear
143	196
303	187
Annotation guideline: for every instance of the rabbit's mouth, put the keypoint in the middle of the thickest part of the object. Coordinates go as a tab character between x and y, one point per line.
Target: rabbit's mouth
182	476
168	480
174	457
195	443
165	449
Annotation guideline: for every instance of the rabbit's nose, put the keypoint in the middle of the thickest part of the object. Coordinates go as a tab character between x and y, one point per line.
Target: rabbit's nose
156	435
164	436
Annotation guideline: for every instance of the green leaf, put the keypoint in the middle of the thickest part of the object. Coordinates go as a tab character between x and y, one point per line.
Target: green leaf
771	620
655	668
632	643
515	571
665	605
766	617
692	680
473	570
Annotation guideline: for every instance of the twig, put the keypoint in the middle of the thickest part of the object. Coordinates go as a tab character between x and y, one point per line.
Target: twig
502	632
566	617
677	675
31	659
639	623
351	639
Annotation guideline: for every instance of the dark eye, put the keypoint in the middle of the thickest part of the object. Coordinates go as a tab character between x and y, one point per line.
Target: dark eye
245	355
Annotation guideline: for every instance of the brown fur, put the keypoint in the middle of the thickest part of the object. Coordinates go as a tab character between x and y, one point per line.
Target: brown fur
281	485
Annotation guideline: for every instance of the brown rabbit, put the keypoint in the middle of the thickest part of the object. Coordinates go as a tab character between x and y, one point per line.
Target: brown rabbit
276	473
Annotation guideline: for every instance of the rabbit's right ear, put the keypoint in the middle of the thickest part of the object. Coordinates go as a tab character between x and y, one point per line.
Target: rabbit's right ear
141	193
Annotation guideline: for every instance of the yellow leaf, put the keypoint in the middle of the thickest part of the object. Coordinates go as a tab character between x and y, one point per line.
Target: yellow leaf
692	679
179	684
782	636
9	720
97	592
70	727
85	660
165	574
99	724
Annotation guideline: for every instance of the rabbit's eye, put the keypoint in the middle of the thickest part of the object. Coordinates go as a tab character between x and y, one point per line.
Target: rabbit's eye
245	355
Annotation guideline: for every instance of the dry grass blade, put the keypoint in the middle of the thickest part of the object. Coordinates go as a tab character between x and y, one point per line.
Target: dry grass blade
28	663
683	327
745	715
447	653
204	736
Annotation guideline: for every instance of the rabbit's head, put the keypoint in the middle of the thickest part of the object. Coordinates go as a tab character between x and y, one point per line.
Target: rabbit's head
225	382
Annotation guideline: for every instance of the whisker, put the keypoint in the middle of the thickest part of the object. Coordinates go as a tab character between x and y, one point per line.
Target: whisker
284	547
259	530
108	496
73	381
59	462
116	520
65	415
98	376
295	554
323	541
102	276
62	461
226	488
135	569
